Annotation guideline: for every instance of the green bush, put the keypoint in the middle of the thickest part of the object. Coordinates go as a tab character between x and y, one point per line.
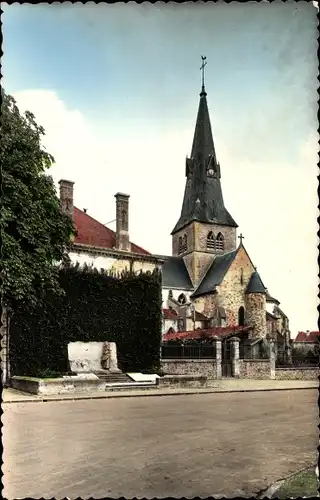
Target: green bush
96	306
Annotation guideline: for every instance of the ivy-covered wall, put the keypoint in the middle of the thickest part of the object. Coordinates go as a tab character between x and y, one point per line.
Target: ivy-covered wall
96	306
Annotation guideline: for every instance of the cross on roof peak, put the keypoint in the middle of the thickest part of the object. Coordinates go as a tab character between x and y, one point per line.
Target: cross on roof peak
241	237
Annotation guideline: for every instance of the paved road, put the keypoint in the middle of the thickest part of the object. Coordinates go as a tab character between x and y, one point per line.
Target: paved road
193	445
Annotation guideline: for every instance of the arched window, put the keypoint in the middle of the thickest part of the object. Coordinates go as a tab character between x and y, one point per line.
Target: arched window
182	298
241	316
241	276
185	243
220	242
210	241
171	330
180	245
170	294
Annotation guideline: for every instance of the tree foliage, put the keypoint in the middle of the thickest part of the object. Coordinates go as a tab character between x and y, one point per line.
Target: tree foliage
35	233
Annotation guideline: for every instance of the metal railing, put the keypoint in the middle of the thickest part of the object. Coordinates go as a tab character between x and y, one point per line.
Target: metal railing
185	351
246	352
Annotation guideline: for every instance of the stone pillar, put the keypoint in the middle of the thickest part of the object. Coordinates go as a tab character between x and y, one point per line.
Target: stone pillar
235	356
66	197
272	347
217	342
5	362
122	222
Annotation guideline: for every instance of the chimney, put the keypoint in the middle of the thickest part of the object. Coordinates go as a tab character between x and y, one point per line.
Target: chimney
122	222
66	196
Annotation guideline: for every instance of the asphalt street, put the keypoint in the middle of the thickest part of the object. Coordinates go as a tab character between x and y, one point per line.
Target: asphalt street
190	445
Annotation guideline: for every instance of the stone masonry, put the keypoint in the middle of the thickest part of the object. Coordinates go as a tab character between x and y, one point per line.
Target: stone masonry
256	313
231	292
122	222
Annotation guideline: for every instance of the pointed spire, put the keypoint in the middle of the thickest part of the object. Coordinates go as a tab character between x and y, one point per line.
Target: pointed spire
203	174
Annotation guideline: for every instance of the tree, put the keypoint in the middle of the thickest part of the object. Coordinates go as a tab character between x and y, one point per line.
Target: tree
35	233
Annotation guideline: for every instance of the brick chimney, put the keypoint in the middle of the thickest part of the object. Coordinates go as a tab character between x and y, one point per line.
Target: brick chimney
122	222
66	196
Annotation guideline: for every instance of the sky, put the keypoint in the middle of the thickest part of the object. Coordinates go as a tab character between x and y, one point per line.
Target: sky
116	88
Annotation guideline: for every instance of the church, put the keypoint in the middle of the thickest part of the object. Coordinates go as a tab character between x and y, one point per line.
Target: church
209	282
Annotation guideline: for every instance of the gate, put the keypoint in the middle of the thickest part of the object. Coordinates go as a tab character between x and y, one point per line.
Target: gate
226	362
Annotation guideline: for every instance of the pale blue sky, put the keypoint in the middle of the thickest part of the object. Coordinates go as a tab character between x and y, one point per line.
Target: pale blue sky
116	87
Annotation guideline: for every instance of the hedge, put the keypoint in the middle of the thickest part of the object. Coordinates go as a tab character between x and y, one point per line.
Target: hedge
96	306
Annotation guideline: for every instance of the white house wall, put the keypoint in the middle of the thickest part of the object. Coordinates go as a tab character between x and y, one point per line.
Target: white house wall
109	263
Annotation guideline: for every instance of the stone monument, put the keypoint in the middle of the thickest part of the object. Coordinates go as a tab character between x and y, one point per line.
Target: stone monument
109	359
86	357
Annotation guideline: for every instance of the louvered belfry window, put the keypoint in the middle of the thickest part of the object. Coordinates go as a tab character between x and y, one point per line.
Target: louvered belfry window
220	242
210	241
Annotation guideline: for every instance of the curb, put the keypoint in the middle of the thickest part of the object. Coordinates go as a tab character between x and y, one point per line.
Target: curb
119	395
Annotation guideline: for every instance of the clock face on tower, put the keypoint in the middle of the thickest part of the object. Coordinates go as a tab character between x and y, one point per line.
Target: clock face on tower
210	171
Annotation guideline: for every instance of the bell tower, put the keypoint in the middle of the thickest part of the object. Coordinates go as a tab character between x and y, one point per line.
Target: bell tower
205	228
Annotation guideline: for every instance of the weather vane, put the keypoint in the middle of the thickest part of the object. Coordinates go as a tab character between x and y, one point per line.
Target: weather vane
204	63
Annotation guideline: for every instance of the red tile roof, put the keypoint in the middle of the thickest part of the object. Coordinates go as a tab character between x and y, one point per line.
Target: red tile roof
307	336
170	314
218	331
93	233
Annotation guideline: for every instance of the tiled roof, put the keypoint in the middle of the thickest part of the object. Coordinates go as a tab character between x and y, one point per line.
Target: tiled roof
255	284
215	273
307	336
93	233
170	314
200	317
175	274
218	331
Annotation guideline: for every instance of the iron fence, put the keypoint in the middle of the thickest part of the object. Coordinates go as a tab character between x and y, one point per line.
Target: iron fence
185	351
297	361
247	352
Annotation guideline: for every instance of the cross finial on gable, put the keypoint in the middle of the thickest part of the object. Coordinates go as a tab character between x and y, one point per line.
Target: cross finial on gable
241	237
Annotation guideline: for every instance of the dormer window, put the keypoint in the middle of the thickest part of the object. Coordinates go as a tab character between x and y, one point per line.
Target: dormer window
220	242
210	241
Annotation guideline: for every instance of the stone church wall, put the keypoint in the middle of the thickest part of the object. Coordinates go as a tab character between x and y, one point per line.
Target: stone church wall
201	231
256	313
189	231
231	293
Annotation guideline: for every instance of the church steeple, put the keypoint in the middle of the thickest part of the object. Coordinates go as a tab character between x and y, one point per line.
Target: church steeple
203	200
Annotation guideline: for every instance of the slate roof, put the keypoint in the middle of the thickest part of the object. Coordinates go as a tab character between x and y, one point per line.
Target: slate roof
215	273
203	200
175	274
269	298
255	284
93	233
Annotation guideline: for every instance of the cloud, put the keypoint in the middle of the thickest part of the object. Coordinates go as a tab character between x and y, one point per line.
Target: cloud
274	203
